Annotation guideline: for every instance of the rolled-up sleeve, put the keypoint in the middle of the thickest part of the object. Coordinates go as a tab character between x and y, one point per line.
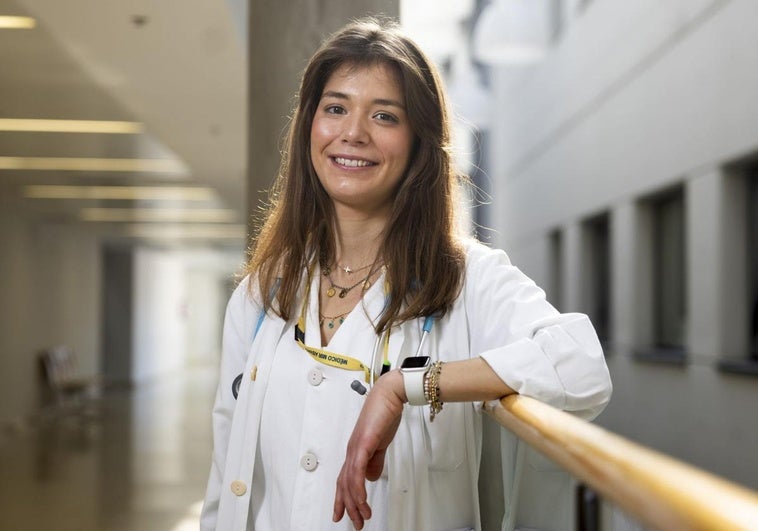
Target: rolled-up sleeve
537	351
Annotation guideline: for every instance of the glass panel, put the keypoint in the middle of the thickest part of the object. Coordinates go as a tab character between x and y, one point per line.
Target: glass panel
556	267
597	275
669	281
753	257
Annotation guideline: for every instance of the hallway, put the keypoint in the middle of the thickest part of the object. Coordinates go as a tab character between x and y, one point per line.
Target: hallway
138	461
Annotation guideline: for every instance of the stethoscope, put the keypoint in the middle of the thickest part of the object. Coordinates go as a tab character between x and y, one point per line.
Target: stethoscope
357	385
361	389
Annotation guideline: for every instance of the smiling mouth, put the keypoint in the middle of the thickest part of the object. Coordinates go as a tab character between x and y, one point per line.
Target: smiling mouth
353	163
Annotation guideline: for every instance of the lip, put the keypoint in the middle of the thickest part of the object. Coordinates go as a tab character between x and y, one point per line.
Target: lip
351	162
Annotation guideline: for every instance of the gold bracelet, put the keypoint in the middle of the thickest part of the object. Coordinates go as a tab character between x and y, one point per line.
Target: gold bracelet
432	389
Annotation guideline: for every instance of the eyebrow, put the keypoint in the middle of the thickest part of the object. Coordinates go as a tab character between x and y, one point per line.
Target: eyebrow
377	101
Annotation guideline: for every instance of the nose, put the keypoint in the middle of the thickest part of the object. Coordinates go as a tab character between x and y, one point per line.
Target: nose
355	130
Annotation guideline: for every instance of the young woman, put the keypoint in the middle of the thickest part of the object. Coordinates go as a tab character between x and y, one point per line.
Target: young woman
367	330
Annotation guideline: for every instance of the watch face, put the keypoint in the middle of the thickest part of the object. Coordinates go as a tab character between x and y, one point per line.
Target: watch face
415	362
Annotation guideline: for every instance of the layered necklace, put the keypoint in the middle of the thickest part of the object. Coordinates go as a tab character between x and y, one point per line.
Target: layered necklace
344	290
335	289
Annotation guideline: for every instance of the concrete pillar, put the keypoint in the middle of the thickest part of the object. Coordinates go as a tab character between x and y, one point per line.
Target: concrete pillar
704	277
283	36
623	276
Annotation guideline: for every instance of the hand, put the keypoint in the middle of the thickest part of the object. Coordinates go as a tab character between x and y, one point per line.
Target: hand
367	447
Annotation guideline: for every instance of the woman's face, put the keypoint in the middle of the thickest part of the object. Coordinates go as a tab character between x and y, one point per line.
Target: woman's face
361	139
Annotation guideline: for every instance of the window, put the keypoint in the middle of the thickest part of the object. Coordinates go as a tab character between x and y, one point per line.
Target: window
596	274
752	214
555	269
669	285
482	190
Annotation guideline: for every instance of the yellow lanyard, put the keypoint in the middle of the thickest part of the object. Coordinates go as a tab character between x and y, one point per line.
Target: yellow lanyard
326	357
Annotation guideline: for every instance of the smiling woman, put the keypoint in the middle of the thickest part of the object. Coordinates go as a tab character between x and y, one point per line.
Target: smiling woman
327	377
361	139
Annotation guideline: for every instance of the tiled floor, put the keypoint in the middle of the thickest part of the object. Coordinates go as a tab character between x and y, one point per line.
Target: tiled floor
137	463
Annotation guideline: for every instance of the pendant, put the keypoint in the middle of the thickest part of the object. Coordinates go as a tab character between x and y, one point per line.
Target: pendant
343	293
347	270
330	292
331	324
366	285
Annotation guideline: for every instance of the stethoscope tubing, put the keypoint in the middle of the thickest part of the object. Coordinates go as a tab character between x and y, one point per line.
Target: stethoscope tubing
425	331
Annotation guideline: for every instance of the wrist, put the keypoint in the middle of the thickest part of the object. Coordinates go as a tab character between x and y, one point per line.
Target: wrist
414	370
392	383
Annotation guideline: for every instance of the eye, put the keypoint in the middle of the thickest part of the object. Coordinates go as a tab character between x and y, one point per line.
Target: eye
334	109
386	117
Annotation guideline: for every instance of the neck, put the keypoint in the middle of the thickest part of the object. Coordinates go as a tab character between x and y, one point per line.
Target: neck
358	238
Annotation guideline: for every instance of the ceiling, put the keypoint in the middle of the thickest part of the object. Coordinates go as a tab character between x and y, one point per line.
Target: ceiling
178	67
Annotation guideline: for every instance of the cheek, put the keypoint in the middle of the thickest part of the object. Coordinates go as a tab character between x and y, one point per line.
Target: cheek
402	149
321	134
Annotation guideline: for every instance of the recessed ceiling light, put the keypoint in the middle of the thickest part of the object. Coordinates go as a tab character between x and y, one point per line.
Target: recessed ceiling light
15	22
69	126
135	193
234	232
92	164
156	215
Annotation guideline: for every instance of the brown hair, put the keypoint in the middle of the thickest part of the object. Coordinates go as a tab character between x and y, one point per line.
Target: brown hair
425	258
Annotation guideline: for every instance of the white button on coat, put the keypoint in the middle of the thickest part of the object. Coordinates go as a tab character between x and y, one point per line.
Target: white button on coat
315	376
309	462
238	487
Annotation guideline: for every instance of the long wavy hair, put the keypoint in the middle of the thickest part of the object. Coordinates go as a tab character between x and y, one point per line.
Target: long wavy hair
420	246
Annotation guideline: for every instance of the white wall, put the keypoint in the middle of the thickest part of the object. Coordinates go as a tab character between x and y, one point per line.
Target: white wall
49	295
637	97
179	297
160	314
637	94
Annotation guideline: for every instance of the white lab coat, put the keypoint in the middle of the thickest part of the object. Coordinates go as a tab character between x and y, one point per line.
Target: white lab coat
500	315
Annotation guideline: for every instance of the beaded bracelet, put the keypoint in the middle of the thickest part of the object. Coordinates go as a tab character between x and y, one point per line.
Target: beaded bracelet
432	389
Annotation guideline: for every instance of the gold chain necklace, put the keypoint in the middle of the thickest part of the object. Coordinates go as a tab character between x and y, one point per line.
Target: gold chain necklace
344	290
349	270
339	318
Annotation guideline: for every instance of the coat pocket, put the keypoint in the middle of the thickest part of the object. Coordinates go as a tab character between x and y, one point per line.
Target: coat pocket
445	438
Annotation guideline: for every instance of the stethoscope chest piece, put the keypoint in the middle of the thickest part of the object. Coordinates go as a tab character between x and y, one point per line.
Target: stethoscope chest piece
236	386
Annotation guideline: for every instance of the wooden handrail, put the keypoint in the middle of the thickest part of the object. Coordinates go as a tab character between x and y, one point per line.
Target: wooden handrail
657	490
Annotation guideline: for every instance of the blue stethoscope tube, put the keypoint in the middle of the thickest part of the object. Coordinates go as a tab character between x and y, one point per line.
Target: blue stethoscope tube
425	331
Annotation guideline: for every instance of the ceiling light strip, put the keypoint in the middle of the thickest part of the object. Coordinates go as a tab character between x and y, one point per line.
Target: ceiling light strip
157	215
34	125
92	164
16	22
133	193
236	232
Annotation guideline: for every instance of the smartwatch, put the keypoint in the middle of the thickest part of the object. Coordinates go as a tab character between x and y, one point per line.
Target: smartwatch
414	369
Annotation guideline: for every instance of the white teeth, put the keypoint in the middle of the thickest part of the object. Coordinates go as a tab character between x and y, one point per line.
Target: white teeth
352	162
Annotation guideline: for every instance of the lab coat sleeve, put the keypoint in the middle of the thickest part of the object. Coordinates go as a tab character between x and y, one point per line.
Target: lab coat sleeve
537	351
239	321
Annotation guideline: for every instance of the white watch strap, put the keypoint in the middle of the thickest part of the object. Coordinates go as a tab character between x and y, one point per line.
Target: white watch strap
414	387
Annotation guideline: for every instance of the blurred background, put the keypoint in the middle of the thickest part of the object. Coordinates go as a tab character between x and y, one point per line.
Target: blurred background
613	148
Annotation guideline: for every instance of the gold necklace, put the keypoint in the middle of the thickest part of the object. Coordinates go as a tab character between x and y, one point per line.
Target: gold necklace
339	318
344	290
349	270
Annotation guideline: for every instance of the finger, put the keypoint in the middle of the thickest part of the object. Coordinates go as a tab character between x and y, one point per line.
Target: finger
355	516
365	509
339	505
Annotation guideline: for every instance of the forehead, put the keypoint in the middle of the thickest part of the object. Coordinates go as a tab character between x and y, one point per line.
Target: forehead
380	79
